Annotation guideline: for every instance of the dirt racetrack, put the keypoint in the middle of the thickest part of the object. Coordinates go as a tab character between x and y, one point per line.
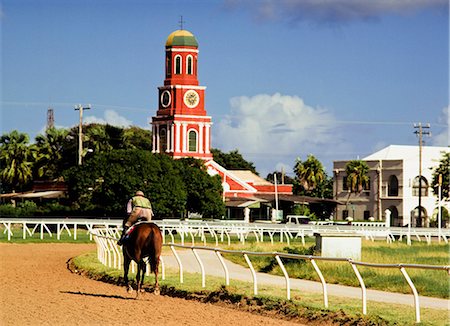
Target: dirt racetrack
36	288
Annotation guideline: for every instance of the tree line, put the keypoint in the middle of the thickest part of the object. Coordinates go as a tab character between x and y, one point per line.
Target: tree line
118	161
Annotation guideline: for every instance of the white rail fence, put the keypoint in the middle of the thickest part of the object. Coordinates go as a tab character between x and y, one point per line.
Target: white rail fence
220	231
109	254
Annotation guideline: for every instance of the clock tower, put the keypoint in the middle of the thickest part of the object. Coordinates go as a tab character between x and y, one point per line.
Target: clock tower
181	127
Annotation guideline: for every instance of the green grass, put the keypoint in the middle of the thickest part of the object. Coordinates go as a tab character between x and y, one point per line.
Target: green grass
270	301
428	282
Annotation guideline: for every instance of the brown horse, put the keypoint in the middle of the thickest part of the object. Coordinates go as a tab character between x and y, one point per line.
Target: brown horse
145	240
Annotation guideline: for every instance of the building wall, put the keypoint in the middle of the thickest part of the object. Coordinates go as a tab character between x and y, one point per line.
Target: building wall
374	201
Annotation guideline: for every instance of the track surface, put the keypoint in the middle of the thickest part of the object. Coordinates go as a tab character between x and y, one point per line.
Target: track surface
36	288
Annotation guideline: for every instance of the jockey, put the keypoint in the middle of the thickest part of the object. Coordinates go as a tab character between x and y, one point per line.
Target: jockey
137	207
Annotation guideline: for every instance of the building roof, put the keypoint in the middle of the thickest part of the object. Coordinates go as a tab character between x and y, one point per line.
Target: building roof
242	201
250	177
405	152
181	37
297	199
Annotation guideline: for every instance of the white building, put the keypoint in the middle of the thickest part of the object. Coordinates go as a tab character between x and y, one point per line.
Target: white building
394	185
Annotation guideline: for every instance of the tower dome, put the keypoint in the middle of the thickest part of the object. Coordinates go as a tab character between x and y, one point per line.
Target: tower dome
181	37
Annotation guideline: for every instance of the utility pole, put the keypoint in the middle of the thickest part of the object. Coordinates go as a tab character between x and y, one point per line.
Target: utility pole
80	108
420	133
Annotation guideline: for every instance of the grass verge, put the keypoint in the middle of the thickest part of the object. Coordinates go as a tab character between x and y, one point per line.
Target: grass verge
433	283
304	307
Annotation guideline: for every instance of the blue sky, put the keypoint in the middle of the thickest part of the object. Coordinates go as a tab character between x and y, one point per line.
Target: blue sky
337	79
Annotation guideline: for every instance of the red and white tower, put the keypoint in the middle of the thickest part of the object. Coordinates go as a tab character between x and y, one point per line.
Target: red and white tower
181	127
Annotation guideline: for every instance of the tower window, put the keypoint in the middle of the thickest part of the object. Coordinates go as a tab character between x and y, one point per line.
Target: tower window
162	140
195	66
192	142
177	64
168	66
189	65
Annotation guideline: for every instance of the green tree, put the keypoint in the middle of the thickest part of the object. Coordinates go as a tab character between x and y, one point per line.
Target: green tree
103	184
204	193
310	173
232	160
17	157
442	169
137	138
357	178
96	138
50	146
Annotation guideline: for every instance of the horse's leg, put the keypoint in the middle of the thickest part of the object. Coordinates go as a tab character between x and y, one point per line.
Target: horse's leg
157	291
138	279
126	268
143	270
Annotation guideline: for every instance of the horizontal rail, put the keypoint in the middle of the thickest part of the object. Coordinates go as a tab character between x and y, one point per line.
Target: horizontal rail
222	230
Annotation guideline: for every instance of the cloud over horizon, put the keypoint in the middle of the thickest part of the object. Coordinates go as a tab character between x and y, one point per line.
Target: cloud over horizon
442	138
275	129
333	11
110	117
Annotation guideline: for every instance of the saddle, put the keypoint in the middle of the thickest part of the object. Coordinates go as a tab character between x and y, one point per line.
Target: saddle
131	228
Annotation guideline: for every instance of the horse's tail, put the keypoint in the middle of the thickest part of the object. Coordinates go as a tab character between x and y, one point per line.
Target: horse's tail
156	238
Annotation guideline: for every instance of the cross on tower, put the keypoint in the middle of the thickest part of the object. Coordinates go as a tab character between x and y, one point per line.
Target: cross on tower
181	22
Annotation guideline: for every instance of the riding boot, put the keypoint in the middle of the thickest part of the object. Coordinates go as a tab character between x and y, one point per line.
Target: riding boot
122	237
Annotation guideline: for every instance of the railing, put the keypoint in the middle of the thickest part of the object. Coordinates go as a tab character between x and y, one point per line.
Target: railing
220	230
109	254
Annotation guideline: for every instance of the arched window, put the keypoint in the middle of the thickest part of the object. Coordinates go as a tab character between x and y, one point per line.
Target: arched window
168	66
195	66
422	185
189	65
177	64
162	140
192	142
393	186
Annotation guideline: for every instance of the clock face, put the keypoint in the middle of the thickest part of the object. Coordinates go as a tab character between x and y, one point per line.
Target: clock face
165	99
191	98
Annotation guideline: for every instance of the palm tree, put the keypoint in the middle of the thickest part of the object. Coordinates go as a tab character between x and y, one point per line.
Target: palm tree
357	178
97	138
17	158
50	153
310	173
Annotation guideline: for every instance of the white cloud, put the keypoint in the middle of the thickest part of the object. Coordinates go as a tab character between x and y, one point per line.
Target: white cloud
442	137
110	117
272	130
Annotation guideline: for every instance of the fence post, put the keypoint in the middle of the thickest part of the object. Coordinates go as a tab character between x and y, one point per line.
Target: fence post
225	269
286	277
202	268
363	287
255	281
416	295
180	265
324	285
163	268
